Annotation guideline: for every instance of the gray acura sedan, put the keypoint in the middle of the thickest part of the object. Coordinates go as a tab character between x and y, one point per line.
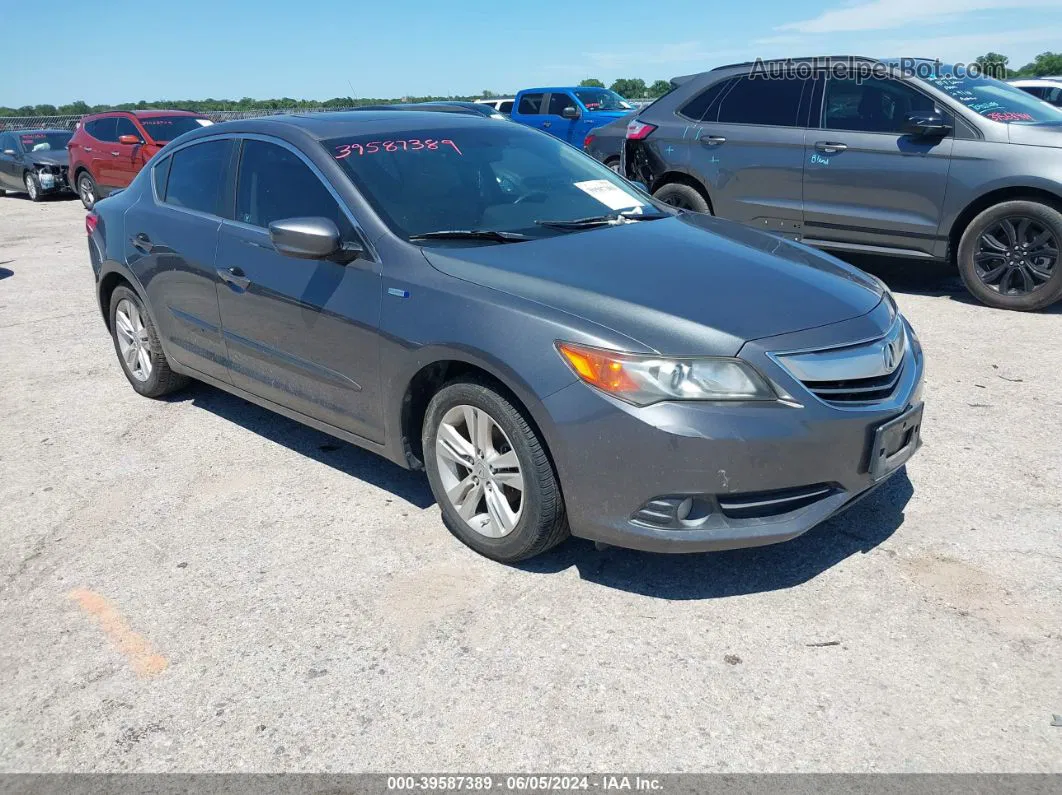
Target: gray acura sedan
560	352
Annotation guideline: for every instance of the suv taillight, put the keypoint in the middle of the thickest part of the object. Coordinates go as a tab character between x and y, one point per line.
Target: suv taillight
90	223
589	139
637	130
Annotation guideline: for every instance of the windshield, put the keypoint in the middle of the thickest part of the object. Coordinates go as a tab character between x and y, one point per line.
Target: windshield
496	178
995	99
602	99
44	141
166	128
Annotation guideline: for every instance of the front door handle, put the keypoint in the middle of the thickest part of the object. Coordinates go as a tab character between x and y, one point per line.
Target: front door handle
115	154
830	147
235	277
713	140
142	243
88	148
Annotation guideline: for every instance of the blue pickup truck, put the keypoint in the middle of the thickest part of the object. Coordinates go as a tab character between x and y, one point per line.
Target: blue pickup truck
569	113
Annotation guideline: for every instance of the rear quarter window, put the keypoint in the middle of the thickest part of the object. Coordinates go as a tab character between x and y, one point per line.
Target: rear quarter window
698	107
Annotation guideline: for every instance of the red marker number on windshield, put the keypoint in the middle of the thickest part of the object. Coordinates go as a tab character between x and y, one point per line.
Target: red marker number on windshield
408	145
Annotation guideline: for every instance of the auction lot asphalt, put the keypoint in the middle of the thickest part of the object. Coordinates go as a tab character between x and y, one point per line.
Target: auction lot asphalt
200	585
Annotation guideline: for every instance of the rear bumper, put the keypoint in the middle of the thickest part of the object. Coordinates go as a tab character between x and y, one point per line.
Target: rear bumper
755	474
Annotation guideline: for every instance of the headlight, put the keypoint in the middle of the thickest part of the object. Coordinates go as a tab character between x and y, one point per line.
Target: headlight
643	380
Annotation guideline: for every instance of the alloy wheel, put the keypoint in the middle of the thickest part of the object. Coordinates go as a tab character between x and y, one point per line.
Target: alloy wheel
31	187
1016	255
480	471
88	195
133	342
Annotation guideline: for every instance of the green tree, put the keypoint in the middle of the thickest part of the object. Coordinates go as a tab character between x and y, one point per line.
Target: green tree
592	82
658	89
630	87
1046	63
994	65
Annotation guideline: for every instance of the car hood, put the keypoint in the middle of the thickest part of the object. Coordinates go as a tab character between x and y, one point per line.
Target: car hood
608	116
1035	134
50	157
691	280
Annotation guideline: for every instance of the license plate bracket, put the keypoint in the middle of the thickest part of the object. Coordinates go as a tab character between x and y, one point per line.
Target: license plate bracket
895	442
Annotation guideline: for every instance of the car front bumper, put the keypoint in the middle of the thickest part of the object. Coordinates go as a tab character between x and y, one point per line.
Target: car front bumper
54	179
754	473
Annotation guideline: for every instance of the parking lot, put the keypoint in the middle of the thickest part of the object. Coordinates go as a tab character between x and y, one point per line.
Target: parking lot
197	584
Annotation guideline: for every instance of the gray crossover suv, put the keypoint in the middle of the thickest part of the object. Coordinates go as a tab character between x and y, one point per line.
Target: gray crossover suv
559	351
906	158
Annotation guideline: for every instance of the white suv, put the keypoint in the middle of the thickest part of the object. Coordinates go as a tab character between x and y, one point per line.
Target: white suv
500	104
1049	89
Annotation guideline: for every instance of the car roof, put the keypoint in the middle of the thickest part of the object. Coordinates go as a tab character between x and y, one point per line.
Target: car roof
36	130
141	114
1035	81
326	125
564	88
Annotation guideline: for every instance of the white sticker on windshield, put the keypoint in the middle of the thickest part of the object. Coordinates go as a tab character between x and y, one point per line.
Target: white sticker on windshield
612	196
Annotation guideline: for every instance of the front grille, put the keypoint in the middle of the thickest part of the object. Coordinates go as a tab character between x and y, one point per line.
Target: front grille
857	390
852	375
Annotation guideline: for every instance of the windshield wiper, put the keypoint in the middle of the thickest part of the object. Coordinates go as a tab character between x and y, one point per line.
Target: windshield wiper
471	234
604	220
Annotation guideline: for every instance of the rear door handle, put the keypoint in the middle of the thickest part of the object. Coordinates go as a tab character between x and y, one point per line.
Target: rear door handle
547	124
115	154
712	140
235	277
142	243
88	148
830	147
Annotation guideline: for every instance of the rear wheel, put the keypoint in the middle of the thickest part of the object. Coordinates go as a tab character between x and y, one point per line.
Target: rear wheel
614	164
1008	256
490	474
33	186
86	190
682	196
137	344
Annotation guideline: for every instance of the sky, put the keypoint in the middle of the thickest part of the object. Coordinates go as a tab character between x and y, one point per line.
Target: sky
108	52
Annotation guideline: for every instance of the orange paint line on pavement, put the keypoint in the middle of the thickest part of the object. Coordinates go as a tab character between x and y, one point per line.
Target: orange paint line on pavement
133	646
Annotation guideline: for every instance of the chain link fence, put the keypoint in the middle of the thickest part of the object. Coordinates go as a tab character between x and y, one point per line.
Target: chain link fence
70	122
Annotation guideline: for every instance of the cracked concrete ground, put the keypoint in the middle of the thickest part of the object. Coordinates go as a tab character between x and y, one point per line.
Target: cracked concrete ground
199	585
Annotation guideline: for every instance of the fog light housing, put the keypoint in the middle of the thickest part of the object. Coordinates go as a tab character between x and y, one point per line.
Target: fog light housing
677	512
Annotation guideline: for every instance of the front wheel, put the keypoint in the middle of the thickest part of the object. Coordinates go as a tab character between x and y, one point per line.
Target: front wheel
1008	256
490	474
33	186
682	196
86	190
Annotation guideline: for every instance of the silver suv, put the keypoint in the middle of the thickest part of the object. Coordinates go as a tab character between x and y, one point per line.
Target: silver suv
909	158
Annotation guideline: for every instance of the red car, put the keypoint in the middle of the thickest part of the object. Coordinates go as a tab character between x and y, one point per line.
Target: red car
108	149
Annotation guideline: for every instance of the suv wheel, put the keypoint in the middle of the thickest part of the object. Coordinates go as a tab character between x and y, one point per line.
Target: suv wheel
682	196
614	164
1008	256
137	344
33	186
490	474
86	189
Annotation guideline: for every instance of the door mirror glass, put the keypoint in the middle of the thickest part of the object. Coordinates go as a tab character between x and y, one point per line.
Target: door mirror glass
129	140
305	238
926	125
9	151
570	112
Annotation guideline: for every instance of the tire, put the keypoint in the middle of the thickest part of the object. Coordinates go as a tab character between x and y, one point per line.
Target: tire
157	379
614	164
682	196
87	190
994	240
541	523
33	186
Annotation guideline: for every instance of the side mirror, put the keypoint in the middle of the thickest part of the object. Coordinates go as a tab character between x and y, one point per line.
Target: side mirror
926	125
129	140
570	112
9	152
311	238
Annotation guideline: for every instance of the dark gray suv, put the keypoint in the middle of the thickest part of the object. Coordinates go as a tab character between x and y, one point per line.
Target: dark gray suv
483	301
907	158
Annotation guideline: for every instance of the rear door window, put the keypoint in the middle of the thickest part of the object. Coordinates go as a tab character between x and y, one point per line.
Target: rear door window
197	176
531	104
760	100
102	129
